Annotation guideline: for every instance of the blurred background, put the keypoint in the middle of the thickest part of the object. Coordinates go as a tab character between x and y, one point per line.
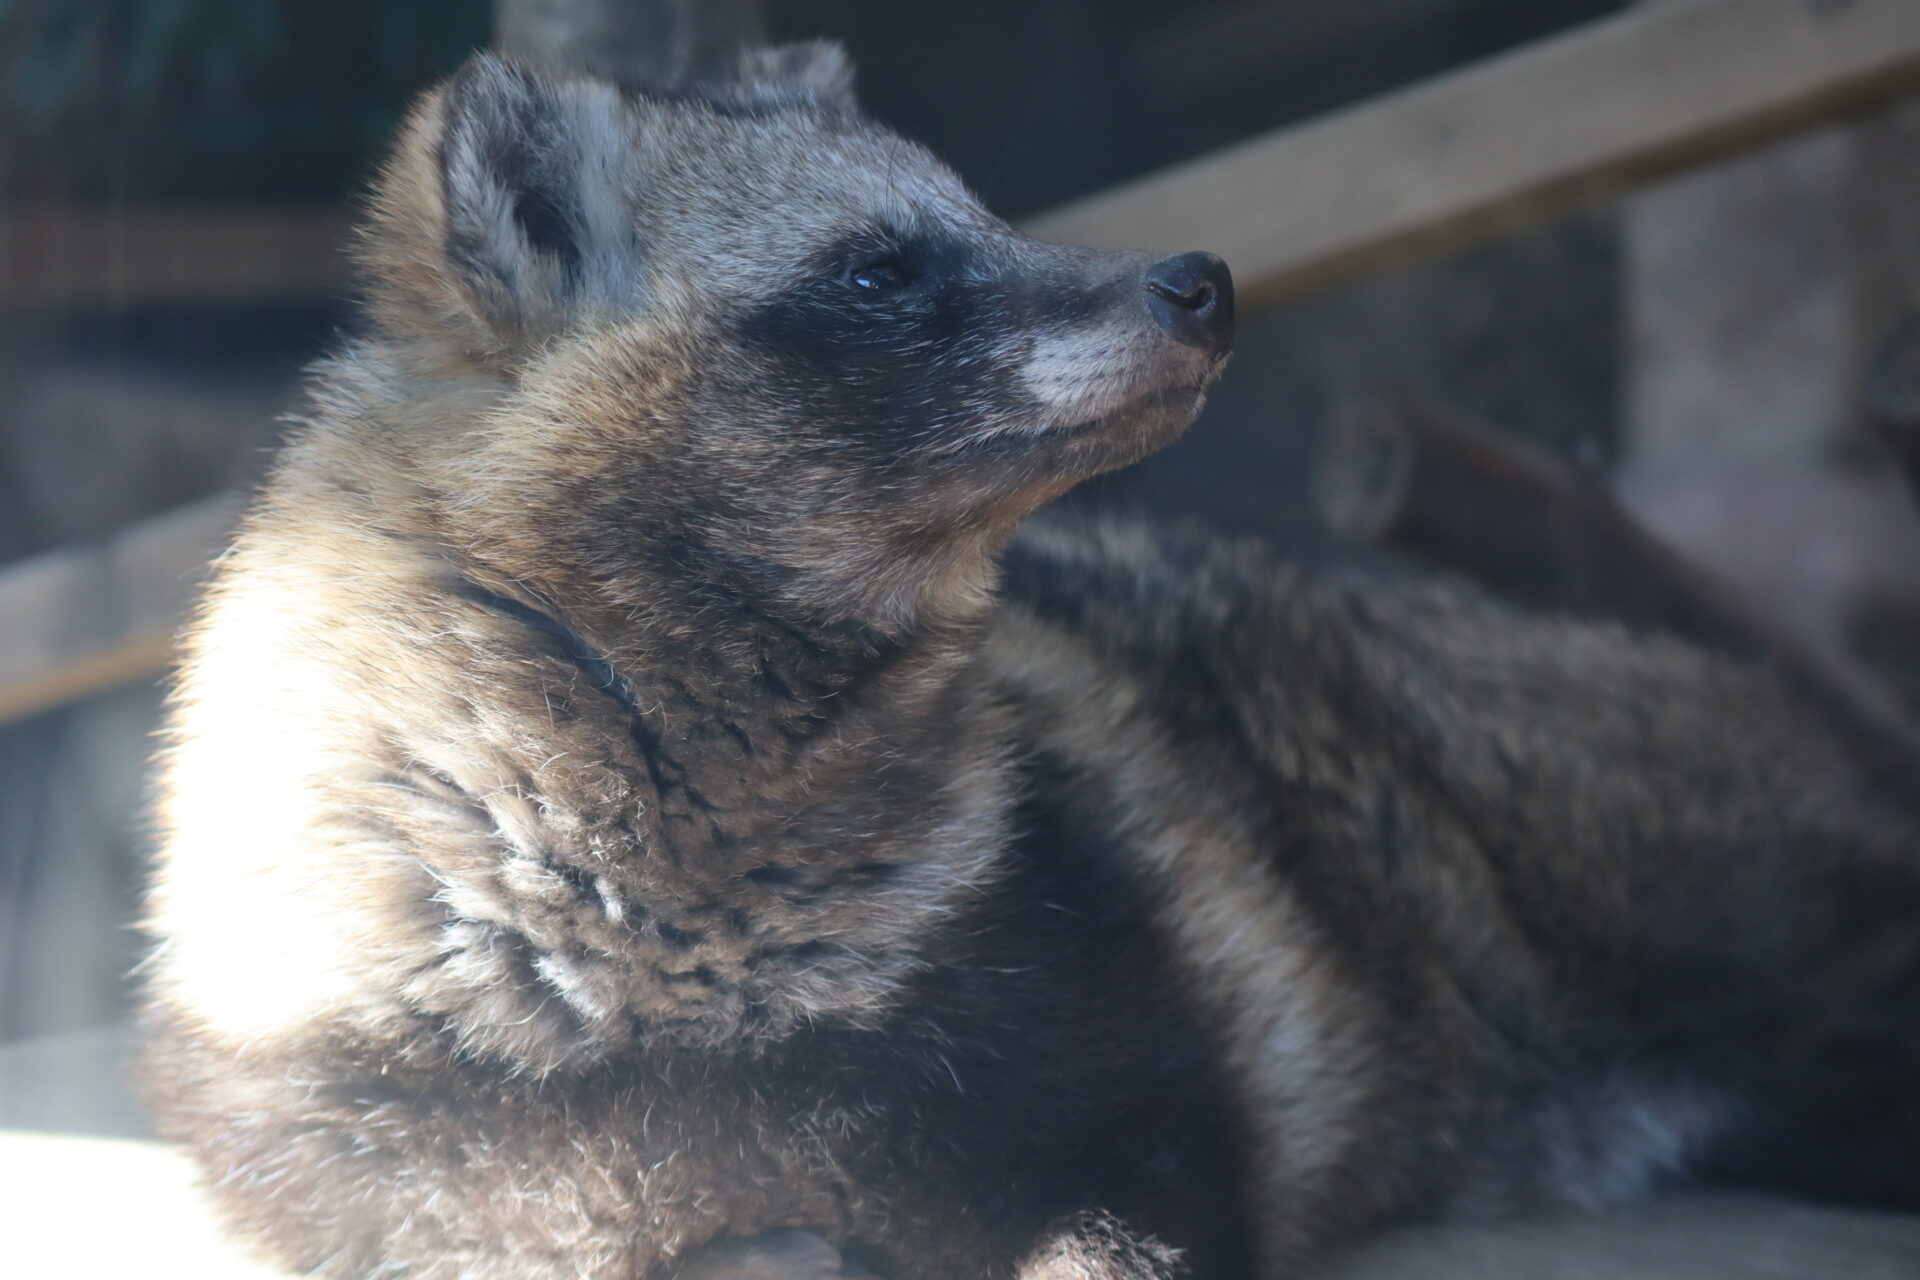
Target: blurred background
1679	294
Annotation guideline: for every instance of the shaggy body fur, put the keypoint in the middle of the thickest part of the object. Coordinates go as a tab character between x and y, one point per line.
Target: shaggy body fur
633	811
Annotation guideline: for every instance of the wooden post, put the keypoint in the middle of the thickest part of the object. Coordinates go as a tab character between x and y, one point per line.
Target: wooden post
1477	501
1756	293
629	39
1893	399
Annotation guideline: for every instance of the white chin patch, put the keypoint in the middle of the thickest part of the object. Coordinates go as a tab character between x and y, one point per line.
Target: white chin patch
1082	375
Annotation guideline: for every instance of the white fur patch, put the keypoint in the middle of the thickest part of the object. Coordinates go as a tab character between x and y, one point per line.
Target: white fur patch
264	901
1085	373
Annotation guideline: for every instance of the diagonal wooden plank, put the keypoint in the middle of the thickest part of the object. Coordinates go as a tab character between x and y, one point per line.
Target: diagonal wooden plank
1512	141
81	620
59	256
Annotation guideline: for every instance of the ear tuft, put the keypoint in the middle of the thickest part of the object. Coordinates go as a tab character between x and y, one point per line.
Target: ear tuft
531	179
498	164
816	69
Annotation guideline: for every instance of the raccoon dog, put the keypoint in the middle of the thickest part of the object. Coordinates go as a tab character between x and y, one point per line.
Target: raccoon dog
636	809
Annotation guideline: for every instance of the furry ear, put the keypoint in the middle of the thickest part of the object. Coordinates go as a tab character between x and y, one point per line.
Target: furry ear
532	176
816	69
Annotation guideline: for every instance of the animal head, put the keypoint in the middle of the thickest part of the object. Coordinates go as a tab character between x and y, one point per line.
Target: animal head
742	326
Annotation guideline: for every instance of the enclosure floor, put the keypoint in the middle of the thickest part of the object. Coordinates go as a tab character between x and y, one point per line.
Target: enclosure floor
81	1204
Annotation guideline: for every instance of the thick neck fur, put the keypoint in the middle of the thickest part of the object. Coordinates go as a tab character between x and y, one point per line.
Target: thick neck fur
654	809
734	709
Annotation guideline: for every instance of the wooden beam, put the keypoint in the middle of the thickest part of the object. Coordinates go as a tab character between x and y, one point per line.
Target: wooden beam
1511	142
57	256
82	620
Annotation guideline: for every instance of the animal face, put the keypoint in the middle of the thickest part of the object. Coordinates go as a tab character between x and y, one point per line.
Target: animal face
750	316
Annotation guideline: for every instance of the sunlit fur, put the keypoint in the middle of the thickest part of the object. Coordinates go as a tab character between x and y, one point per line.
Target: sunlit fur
627	794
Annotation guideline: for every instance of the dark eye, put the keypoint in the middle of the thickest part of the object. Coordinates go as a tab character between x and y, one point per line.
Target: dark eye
878	277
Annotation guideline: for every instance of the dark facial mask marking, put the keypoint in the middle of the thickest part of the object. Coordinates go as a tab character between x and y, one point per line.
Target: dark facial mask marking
886	364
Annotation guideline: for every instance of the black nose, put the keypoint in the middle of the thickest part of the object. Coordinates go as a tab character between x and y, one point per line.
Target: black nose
1192	298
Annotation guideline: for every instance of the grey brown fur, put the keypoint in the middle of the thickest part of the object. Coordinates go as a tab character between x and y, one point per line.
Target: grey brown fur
635	808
